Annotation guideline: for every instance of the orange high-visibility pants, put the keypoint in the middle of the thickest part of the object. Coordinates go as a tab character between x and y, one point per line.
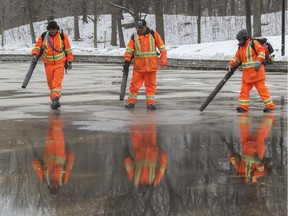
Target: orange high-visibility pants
149	80
263	91
55	76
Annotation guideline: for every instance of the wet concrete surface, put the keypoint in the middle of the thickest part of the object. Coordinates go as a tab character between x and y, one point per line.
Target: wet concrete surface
111	161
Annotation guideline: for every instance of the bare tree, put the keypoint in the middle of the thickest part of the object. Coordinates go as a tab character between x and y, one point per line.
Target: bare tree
84	11
233	7
113	30
119	27
76	28
29	7
2	22
248	16
158	8
138	8
199	10
97	8
257	18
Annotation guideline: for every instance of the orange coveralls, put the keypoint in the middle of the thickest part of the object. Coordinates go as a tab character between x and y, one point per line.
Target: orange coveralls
250	77
250	164
57	164
143	50
54	60
148	165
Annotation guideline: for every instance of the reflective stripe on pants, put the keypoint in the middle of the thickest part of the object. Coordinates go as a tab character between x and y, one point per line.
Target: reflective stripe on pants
263	91
149	80
54	76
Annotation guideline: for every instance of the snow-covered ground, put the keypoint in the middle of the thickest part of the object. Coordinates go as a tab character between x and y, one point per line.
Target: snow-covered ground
217	36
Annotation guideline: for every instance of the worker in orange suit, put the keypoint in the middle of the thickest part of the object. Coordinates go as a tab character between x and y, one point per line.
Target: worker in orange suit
57	55
55	168
146	168
253	71
143	48
251	163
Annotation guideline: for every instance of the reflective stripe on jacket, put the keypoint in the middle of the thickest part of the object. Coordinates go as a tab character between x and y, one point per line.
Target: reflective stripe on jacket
247	56
56	55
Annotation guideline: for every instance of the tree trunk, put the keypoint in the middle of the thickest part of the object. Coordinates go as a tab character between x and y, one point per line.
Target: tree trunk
95	23
113	30
158	8
2	37
225	8
233	7
257	18
248	16
76	28
95	32
84	12
30	15
120	34
198	22
2	27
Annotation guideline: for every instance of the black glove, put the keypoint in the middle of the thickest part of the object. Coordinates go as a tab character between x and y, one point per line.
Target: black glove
68	65
126	66
34	58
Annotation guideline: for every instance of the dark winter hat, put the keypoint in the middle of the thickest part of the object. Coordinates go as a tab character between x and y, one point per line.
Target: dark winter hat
242	35
52	25
141	23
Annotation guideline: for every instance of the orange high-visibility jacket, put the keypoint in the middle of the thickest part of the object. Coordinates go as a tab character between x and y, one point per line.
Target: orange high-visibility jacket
148	165
51	56
247	56
57	163
143	49
252	146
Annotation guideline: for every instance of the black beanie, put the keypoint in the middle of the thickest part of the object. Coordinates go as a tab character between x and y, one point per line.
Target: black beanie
242	35
52	25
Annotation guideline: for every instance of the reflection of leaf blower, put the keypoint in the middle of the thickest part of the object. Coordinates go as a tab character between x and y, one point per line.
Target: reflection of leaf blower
37	157
31	69
232	150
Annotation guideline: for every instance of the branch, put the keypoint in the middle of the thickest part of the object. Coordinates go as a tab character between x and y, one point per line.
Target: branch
91	18
122	8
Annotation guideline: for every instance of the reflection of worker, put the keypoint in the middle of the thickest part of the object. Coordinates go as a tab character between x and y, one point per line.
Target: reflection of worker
251	164
148	164
56	167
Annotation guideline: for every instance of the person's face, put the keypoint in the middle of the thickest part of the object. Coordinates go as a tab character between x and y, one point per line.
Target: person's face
241	42
53	31
141	30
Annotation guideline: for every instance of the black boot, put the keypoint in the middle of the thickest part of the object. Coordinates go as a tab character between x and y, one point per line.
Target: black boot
151	107
129	106
55	103
241	110
267	110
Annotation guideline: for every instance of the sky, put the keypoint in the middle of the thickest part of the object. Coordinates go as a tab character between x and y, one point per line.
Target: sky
218	36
